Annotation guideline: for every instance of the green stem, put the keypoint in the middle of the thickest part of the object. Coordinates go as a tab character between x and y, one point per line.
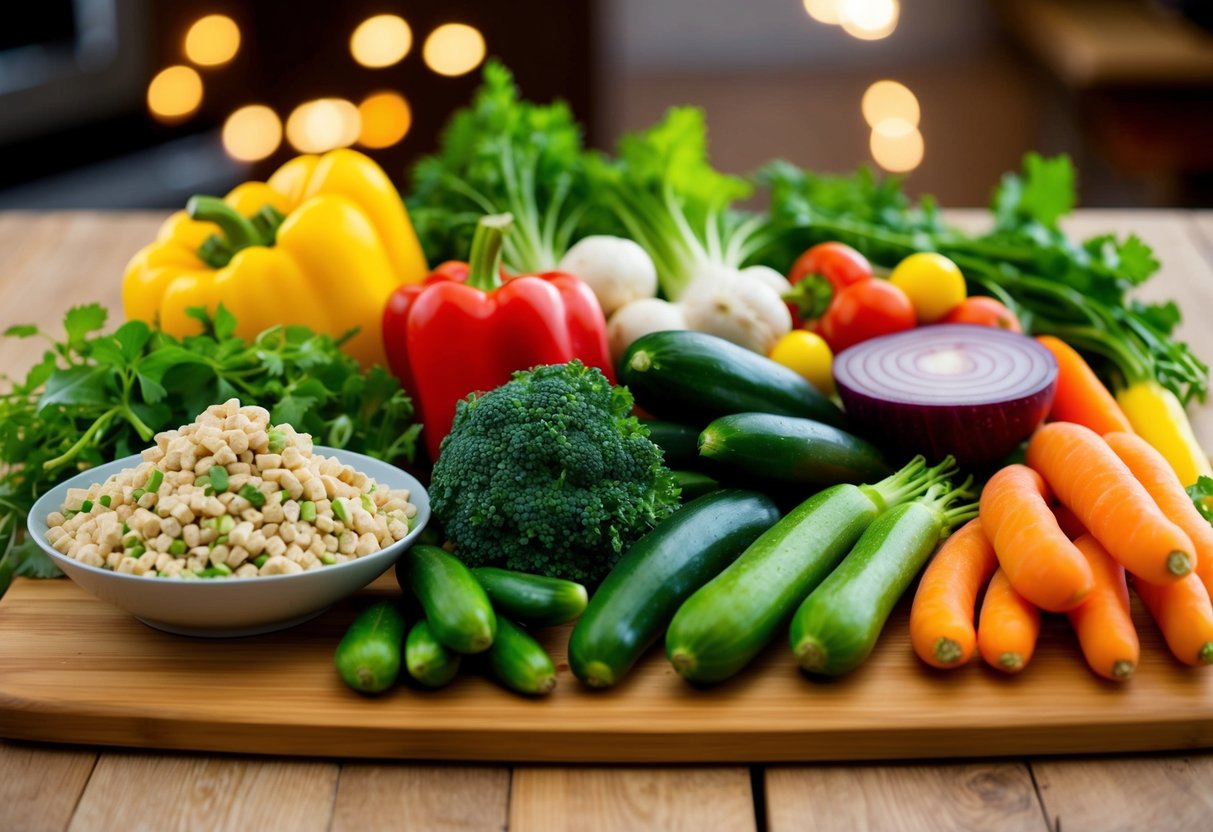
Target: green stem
70	453
235	231
484	264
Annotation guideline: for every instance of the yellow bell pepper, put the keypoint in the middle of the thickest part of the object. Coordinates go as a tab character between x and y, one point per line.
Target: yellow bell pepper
322	243
1157	416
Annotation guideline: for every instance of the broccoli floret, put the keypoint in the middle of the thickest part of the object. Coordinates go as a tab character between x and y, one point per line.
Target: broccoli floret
550	474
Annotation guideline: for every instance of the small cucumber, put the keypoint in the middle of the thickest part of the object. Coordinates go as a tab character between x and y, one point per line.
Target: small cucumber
536	600
368	657
429	661
456	606
638	597
693	485
679	443
837	626
694	377
790	449
519	662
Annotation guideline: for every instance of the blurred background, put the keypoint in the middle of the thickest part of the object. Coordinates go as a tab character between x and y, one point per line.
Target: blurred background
139	103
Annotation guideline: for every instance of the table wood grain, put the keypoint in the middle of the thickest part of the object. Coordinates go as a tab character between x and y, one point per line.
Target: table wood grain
54	260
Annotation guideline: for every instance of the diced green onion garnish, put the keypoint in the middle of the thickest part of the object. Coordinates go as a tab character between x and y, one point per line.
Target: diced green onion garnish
137	494
202	481
368	503
342	513
219	479
86	506
125	528
177	547
250	493
130	540
135	552
222	568
209	522
226	524
307	511
277	441
105	500
328	559
260	560
155	480
221	540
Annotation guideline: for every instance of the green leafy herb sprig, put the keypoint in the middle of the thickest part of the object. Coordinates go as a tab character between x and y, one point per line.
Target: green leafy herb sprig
98	396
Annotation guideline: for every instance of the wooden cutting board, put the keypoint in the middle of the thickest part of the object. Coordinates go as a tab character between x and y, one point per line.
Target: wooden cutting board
75	669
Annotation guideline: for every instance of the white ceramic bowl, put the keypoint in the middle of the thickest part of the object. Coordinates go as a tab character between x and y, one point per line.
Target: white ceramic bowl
231	606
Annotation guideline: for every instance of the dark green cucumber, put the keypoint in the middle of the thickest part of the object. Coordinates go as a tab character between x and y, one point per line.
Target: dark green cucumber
790	449
693	485
519	662
456	606
638	597
429	661
838	624
536	600
679	443
368	657
693	377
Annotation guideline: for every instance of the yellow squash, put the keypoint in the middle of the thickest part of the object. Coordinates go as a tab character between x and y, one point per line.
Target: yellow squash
1157	417
322	243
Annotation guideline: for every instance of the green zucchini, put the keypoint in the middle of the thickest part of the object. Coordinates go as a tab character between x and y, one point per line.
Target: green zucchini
519	662
638	597
368	657
692	485
694	377
837	626
429	661
728	621
679	443
790	449
536	600
456	606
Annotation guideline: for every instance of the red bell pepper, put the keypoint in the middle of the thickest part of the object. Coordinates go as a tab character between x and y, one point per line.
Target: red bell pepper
464	330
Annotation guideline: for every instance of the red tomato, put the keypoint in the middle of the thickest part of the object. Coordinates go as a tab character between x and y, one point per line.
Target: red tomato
983	311
865	310
840	266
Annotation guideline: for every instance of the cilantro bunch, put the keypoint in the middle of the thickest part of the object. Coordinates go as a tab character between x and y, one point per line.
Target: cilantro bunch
98	396
1078	291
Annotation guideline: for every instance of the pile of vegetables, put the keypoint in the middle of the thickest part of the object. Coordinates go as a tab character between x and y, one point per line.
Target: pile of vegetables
99	395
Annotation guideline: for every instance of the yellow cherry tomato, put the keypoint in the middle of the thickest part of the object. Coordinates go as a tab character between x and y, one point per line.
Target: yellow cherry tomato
809	355
932	282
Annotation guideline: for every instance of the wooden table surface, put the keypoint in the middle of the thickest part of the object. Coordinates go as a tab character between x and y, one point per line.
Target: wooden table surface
50	261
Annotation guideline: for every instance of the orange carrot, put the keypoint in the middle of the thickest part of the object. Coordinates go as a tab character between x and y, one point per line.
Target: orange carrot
1040	562
1105	630
941	618
1008	627
1080	396
1184	614
1162	483
1070	525
1116	509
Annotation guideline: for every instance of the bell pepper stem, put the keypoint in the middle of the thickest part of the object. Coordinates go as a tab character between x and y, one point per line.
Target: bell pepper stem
484	263
236	231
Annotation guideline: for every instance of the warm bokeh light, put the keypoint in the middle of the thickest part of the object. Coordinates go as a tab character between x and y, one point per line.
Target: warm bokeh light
321	125
252	133
453	49
889	100
174	93
896	145
381	41
212	40
869	19
824	11
386	119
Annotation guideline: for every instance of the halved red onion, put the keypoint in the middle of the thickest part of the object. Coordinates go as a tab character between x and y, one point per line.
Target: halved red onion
971	391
